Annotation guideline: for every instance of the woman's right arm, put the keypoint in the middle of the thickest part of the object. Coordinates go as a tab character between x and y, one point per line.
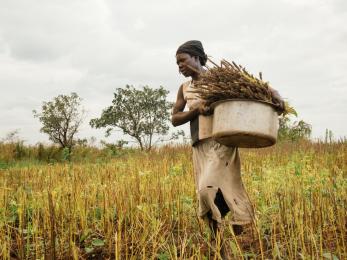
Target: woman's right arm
178	116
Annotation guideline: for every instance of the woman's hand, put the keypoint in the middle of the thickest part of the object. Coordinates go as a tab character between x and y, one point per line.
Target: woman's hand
279	105
277	101
204	109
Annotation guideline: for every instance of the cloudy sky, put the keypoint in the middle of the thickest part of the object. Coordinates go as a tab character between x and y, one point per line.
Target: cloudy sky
92	47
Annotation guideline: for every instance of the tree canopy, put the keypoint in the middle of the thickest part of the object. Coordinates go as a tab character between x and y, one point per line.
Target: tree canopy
140	113
61	119
293	131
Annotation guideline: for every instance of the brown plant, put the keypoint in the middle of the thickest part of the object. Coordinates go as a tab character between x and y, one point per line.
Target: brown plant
231	81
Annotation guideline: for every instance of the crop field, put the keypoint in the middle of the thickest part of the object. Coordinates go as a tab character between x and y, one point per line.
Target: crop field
142	205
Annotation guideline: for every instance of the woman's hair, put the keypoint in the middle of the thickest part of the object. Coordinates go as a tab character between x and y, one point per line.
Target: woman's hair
193	48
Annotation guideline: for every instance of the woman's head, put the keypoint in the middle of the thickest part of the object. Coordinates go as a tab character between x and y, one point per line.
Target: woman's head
190	57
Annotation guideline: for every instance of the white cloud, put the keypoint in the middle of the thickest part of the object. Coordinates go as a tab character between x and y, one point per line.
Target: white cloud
92	47
139	24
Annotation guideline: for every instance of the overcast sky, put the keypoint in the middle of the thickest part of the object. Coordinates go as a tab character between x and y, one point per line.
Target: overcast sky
90	47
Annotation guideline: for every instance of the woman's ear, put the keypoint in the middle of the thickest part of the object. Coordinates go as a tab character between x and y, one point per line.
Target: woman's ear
197	60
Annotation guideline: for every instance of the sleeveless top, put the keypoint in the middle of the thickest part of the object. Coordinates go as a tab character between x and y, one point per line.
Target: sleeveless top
201	126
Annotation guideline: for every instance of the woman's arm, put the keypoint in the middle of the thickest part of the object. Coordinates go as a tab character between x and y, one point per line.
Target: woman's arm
178	116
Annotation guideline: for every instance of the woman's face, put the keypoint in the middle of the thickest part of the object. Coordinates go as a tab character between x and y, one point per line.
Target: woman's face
187	64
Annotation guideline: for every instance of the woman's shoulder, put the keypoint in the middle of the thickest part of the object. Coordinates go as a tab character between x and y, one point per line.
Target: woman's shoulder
185	85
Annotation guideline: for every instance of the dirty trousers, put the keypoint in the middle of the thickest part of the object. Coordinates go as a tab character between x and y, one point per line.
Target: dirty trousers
218	173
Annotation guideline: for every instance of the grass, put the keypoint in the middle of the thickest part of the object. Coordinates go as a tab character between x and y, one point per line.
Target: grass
143	206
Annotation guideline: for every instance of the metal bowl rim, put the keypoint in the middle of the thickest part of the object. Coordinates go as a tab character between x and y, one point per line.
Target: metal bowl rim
214	104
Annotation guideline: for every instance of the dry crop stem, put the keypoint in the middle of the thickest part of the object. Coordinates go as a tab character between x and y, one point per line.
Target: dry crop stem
143	206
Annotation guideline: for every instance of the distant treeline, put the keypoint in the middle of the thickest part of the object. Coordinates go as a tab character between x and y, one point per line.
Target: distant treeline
17	151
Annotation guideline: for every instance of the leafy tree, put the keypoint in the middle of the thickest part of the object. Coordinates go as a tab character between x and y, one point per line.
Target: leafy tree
61	119
293	131
114	149
139	113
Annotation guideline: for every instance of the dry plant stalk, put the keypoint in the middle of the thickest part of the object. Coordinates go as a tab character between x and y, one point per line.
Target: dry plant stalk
231	81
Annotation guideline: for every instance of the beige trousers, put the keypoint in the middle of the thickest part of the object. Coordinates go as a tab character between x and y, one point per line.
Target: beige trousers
218	167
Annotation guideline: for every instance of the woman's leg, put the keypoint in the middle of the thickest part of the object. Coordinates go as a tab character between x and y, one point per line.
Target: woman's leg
224	209
217	241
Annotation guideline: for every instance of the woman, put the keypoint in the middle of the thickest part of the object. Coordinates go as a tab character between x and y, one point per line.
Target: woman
217	168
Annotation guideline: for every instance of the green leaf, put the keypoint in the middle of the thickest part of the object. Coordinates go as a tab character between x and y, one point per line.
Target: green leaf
163	256
89	249
85	235
330	256
98	242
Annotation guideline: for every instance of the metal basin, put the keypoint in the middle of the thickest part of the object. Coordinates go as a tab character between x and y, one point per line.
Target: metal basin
244	123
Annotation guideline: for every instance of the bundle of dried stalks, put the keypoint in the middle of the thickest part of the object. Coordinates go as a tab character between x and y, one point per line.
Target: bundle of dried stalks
231	81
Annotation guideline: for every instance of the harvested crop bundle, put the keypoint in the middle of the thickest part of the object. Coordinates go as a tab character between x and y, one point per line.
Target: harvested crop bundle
232	81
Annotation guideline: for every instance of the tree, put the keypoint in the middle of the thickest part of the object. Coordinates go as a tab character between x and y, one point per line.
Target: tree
293	131
139	113
61	119
12	137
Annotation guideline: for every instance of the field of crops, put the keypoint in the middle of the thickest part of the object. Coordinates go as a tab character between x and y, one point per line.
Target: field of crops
142	205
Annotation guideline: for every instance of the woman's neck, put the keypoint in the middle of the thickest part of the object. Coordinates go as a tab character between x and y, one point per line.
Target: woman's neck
196	76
